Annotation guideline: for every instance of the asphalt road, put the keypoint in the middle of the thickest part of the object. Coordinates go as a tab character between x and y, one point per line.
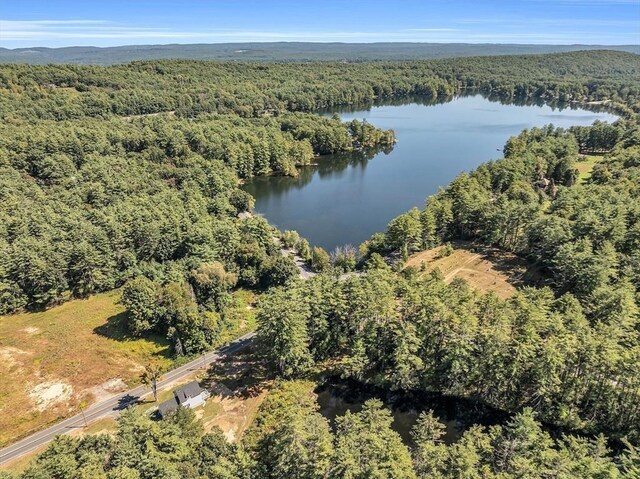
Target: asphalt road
112	407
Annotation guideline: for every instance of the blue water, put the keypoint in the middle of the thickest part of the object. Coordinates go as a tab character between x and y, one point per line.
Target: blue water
347	198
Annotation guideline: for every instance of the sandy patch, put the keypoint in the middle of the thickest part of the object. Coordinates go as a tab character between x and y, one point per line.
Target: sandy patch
50	393
230	434
31	330
108	389
236	416
11	356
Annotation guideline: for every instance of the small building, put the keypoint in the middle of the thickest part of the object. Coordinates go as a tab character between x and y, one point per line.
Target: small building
190	395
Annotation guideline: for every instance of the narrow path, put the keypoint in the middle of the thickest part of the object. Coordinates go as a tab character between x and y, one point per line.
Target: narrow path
112	407
461	267
304	271
303	268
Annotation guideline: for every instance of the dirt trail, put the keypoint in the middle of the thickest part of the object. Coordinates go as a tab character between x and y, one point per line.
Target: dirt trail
450	276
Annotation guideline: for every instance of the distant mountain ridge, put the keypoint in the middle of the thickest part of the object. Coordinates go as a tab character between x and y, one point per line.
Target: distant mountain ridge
284	51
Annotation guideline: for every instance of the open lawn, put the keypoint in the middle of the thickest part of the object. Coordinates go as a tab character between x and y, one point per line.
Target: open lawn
79	352
238	385
484	268
585	166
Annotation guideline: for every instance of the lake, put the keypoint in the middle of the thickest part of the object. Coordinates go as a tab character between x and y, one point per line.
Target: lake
344	199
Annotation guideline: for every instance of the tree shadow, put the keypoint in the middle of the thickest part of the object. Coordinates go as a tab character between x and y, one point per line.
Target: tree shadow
125	401
116	328
243	374
518	271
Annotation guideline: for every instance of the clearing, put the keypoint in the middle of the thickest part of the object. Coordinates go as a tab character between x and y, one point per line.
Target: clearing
585	166
238	384
80	352
484	268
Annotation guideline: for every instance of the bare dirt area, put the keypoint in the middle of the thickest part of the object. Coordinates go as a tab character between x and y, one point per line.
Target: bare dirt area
13	358
238	385
484	268
52	360
47	394
108	389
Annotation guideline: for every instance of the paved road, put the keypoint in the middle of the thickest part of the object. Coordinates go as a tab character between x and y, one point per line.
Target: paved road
112	407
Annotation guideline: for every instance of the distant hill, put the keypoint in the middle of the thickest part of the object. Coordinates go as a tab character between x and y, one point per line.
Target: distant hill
283	51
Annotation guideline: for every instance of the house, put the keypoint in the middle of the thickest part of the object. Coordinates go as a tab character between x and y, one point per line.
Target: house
190	395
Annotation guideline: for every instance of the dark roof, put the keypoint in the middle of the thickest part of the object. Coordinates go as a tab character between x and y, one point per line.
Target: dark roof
168	406
189	390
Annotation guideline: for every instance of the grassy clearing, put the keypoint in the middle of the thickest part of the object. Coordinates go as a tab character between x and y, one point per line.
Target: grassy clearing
80	351
585	166
486	269
238	385
53	360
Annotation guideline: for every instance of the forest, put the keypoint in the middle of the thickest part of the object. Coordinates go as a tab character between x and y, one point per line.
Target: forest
289	438
284	51
128	176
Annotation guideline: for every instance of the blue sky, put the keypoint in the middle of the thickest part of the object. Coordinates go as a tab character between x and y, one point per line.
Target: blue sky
25	23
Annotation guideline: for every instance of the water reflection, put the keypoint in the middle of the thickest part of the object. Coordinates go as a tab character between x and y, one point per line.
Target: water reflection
346	198
491	97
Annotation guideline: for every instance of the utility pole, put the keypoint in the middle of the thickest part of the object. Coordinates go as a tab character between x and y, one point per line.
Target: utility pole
84	418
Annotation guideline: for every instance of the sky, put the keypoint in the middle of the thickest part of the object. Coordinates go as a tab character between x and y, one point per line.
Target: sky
54	23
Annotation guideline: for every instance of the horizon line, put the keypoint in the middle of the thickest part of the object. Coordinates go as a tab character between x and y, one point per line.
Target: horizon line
326	43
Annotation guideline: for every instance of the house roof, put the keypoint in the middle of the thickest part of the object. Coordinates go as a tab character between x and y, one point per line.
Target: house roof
187	391
168	406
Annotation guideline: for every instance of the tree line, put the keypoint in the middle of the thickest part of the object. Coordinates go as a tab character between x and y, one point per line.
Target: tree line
568	350
190	88
409	333
290	438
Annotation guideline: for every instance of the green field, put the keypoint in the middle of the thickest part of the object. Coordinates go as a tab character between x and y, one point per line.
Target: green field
585	166
80	351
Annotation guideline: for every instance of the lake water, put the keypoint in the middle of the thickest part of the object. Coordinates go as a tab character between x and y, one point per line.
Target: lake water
347	198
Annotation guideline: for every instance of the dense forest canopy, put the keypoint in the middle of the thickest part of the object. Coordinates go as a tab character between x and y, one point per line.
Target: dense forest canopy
129	175
121	191
290	439
253	89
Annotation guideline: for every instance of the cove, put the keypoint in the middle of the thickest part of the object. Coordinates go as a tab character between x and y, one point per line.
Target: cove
344	199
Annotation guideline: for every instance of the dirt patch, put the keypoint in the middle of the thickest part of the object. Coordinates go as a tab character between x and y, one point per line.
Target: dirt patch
31	330
484	268
233	414
12	357
238	384
108	389
47	394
